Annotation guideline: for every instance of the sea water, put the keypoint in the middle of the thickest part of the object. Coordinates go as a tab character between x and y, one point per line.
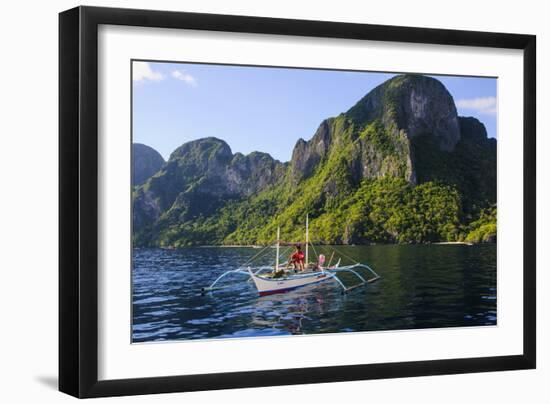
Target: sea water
421	286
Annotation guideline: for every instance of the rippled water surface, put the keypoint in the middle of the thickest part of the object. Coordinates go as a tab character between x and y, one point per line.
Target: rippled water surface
422	286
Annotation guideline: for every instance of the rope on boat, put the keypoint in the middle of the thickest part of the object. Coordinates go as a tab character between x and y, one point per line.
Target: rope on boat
345	255
314	251
255	256
333	250
285	251
349	269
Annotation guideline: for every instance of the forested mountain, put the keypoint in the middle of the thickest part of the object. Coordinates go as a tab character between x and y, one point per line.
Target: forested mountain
399	166
146	161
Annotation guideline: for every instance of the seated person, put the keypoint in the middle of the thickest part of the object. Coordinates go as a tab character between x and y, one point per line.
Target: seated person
297	259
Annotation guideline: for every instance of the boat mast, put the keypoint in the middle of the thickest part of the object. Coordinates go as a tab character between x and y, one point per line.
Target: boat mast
307	238
278	245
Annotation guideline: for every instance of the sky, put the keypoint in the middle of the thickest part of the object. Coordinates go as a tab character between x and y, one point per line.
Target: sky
262	108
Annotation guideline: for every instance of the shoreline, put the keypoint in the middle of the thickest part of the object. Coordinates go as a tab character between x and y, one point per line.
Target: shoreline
255	246
456	243
229	246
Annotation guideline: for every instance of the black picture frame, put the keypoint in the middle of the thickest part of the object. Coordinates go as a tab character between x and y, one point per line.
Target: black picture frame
78	201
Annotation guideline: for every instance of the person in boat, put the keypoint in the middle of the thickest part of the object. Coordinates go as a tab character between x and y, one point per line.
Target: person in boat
297	259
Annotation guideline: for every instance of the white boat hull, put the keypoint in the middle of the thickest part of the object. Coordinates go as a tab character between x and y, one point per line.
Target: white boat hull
268	286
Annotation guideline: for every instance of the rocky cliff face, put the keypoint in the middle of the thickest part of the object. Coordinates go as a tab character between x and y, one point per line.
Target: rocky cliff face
414	104
307	155
146	162
382	126
199	177
250	174
406	129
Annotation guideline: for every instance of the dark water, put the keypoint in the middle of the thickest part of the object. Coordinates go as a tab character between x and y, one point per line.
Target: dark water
422	286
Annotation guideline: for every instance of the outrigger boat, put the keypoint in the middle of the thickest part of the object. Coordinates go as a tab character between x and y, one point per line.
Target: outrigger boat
278	279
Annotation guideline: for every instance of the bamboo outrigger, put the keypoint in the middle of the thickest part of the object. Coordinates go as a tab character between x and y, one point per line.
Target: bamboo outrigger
276	279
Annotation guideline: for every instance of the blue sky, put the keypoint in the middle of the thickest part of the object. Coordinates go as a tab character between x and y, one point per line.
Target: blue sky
264	109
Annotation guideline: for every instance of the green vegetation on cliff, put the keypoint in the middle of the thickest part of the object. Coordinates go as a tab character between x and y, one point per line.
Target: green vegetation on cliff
398	167
484	229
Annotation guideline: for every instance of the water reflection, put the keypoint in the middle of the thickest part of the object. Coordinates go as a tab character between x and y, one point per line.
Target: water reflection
421	287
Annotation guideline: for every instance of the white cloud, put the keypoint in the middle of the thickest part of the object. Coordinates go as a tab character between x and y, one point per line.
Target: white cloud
482	105
142	71
185	77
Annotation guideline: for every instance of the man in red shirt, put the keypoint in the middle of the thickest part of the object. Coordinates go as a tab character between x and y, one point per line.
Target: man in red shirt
297	259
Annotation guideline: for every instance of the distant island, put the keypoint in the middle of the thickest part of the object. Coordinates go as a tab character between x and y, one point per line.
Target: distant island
400	166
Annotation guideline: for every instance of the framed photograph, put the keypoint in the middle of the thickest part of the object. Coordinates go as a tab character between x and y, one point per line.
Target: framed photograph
251	201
